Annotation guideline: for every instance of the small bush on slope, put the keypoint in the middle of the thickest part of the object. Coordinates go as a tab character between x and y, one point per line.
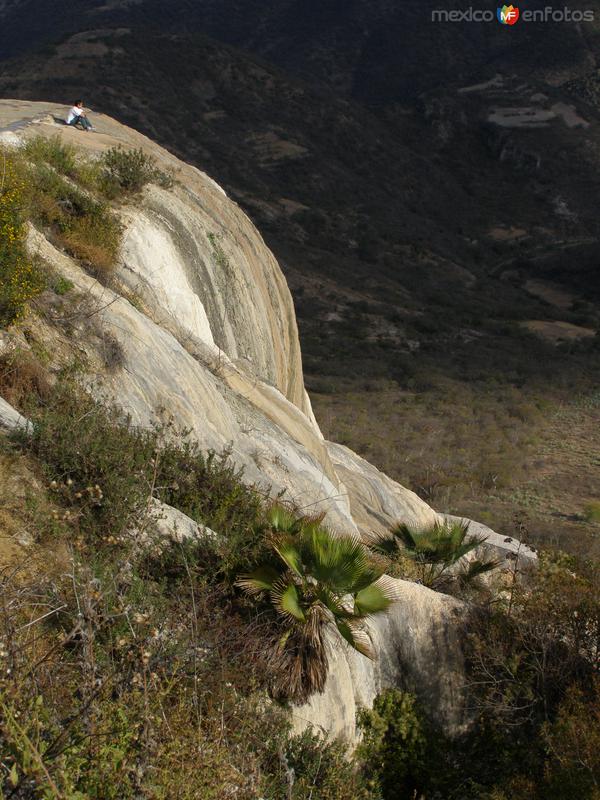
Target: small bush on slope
130	170
108	470
395	745
53	151
592	511
21	377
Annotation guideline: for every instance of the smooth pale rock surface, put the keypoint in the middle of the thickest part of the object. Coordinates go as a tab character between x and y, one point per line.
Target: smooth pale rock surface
506	547
170	523
418	645
376	501
153	269
161	381
10	419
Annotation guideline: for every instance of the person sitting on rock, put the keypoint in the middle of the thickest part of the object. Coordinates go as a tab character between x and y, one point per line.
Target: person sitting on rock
78	116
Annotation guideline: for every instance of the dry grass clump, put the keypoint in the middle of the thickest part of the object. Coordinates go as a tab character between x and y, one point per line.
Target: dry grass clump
22	377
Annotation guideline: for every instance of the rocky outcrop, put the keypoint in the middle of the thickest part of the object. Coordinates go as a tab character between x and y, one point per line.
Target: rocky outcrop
505	548
376	501
206	329
166	522
10	419
418	645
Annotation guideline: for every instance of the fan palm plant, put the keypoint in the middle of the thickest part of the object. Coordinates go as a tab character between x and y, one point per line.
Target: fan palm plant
315	581
436	553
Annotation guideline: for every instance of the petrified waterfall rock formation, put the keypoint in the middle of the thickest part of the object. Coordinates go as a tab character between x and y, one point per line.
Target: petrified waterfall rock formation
205	326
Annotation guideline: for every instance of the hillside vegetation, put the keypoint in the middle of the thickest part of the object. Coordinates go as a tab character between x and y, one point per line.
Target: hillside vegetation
133	668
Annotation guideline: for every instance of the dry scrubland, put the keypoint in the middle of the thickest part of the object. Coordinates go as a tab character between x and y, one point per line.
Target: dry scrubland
508	457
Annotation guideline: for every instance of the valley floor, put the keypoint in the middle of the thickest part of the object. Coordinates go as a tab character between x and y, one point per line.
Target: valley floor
504	457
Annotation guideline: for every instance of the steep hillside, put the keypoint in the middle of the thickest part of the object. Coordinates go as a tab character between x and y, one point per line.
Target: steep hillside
218	310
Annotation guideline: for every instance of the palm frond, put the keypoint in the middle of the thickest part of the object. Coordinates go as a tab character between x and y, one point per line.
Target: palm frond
371	600
404	534
321	578
282	520
456	532
260	580
443	543
286	600
356	637
339	562
474	569
332	602
286	548
386	546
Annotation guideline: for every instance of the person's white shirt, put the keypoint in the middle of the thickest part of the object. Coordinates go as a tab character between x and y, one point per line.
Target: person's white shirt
74	112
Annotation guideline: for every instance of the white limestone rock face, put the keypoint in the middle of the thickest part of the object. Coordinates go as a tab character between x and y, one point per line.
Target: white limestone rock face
377	502
418	646
154	269
10	419
161	380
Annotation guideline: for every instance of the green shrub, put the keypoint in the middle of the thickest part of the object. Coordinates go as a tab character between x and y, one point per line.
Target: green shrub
437	553
573	745
532	664
94	238
321	770
592	511
314	580
209	488
98	462
58	154
21	278
134	686
106	470
131	170
395	750
61	286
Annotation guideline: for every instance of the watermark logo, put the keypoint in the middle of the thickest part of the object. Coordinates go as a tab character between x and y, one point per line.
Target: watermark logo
508	15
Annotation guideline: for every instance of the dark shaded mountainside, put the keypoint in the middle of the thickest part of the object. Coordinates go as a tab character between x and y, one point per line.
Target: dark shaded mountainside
403	215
